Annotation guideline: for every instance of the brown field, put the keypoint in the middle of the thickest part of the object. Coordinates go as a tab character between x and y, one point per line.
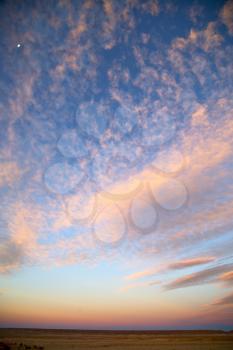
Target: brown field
82	340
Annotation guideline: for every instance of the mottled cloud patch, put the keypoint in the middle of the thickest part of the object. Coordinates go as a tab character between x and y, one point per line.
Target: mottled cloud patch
11	256
200	116
151	6
195	12
226	16
206	39
9	173
109	24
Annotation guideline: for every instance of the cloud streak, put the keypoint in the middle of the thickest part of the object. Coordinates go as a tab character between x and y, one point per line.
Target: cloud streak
190	262
227	278
182	264
227	300
198	278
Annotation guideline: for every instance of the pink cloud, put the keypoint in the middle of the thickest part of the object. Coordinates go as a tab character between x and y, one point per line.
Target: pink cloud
9	173
172	266
190	262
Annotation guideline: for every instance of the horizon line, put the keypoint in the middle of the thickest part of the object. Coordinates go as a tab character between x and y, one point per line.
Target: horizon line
120	330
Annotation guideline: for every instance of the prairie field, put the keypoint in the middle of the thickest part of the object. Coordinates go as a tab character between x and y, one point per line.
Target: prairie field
22	339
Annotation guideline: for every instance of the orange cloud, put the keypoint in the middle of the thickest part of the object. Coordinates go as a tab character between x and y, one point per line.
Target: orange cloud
145	273
206	39
227	277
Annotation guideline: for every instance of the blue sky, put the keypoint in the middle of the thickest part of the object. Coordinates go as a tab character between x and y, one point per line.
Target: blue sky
116	163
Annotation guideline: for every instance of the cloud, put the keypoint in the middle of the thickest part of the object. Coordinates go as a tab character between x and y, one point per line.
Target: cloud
22	95
11	256
172	266
226	16
195	12
227	300
206	39
198	278
9	173
200	116
21	247
109	25
190	262
139	285
145	273
151	6
198	159
227	278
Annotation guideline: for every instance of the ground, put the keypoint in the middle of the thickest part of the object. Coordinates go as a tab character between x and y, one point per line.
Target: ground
82	340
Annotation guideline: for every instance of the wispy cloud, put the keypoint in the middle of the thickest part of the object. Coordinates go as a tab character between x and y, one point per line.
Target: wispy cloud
227	300
191	262
195	12
198	278
177	265
227	278
139	285
145	273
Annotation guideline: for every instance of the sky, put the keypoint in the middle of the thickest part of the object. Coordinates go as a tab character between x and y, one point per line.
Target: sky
116	162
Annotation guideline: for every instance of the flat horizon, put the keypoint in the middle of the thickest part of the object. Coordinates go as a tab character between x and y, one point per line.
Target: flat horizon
122	330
